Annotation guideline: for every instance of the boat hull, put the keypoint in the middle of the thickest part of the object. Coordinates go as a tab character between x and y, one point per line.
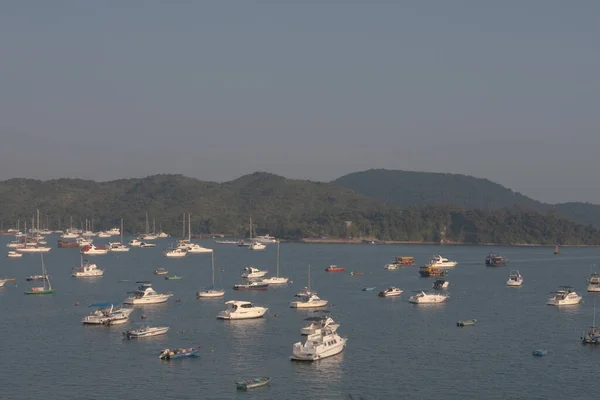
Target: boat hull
314	304
138	302
253	383
41	292
239	315
567	302
211	293
139	335
299	354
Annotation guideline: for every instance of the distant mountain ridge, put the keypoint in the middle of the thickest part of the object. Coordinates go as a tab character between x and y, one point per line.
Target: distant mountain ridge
294	209
409	188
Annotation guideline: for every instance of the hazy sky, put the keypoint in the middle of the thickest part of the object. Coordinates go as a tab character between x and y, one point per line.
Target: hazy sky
505	90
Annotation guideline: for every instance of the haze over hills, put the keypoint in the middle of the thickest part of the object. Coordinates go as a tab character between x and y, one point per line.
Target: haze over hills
295	209
406	188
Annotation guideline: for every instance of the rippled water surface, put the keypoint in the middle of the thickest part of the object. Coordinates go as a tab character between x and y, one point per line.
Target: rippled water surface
395	349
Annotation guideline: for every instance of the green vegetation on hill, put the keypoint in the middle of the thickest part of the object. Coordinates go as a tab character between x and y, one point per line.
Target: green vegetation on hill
283	207
582	213
407	188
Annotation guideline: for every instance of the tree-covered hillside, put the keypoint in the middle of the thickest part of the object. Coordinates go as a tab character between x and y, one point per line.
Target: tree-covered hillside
283	207
407	188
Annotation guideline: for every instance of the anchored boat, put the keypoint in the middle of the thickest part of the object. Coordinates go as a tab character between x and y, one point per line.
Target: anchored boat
253	383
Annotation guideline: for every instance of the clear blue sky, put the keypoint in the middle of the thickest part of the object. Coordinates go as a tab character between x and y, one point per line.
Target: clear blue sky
505	90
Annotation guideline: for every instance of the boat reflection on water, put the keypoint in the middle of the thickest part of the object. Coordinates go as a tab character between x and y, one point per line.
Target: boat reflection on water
321	372
245	331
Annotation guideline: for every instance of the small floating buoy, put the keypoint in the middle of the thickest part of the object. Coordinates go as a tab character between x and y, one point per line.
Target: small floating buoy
76	303
276	315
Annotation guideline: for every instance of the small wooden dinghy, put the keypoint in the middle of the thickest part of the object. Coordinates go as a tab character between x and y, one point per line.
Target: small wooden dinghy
539	353
469	322
253	383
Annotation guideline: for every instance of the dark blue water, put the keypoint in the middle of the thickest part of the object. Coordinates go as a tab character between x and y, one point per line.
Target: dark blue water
395	349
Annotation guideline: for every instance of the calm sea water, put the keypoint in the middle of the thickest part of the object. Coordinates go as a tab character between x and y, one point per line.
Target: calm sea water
395	349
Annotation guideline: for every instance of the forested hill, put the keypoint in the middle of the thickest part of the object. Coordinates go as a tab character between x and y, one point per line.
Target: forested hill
407	188
283	207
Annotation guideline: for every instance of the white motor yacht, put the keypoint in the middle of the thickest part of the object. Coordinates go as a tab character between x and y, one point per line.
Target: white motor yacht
87	270
252	273
88	234
391	291
317	324
266	239
309	301
82	242
256	246
117	247
440	283
107	314
194	248
149	236
514	278
317	346
135	243
593	282
162	235
175	253
104	235
146	295
441	262
565	296
145	331
427	298
242	310
69	235
93	250
113	232
14	254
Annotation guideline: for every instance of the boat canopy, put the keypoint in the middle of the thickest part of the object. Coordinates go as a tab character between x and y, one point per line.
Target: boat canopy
315	318
105	305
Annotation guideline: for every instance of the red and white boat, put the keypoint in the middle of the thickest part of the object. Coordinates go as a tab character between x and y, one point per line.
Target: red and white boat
334	268
94	250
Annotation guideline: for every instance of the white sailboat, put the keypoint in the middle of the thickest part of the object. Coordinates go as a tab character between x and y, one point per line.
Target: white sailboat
118	246
276	280
211	291
308	299
194	248
46	289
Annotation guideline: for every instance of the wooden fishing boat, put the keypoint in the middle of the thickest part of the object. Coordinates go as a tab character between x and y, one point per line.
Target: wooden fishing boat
429	270
253	383
167	354
335	268
66	244
468	322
